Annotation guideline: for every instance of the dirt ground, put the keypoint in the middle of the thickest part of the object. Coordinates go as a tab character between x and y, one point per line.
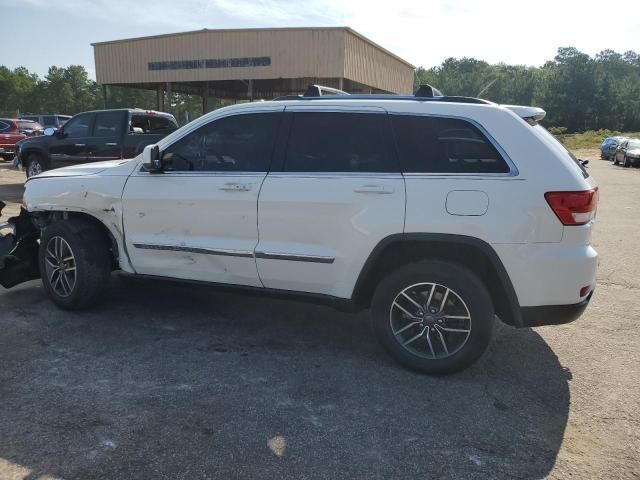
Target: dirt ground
172	381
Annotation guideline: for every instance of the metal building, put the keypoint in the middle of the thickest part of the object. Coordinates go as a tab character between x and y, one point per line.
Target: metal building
251	63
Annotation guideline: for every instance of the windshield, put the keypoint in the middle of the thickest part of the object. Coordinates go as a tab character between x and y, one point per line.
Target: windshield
633	144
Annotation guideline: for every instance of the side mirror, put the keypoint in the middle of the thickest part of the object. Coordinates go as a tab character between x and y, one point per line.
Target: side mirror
49	131
151	160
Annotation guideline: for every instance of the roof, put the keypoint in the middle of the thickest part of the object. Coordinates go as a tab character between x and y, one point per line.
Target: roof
222	30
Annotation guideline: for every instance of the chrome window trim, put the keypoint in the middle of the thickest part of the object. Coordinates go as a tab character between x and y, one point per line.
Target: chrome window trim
513	169
202	173
390	176
294	257
205	251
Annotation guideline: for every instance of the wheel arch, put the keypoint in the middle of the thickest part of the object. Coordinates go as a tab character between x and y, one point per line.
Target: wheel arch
473	253
115	240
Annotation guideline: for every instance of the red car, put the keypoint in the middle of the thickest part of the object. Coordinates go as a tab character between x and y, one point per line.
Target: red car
12	131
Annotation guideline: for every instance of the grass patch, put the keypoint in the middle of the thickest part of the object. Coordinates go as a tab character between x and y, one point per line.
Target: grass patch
592	138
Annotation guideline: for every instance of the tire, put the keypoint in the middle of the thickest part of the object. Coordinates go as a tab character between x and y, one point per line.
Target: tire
626	163
35	165
83	253
439	352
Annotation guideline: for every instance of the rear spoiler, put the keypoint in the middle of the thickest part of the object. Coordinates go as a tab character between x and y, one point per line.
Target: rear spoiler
535	113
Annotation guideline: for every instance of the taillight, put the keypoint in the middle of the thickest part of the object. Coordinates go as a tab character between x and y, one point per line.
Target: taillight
14	127
573	208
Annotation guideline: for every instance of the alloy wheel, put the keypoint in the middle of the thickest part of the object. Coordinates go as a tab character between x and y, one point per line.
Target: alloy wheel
60	265
430	320
34	168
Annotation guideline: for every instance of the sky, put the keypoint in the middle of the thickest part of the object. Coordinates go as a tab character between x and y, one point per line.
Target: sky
40	33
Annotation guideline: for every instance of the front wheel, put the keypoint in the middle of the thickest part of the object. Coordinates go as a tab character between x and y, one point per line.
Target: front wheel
35	165
433	316
74	263
627	162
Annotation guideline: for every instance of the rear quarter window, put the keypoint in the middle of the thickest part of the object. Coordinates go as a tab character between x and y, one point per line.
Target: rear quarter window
444	145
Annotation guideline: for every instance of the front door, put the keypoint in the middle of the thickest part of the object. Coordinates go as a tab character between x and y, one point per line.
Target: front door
338	193
69	145
105	142
198	219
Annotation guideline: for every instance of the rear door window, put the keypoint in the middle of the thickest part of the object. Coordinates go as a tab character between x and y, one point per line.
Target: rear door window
444	145
108	124
340	142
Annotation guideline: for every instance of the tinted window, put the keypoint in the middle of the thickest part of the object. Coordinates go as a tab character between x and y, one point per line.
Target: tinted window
242	143
340	142
5	125
49	120
107	124
152	123
78	126
444	145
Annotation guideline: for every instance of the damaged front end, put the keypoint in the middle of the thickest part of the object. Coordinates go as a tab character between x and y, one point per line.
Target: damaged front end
18	250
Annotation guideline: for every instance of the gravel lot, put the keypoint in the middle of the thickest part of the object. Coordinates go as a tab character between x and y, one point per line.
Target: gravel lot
172	381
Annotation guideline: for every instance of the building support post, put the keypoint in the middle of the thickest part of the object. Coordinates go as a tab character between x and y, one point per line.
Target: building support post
104	96
169	95
204	93
250	90
159	99
341	83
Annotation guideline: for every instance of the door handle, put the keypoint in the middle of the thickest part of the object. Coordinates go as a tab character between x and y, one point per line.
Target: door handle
236	187
80	145
379	189
111	144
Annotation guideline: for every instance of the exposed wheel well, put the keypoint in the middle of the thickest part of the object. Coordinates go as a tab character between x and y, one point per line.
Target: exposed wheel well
471	253
48	217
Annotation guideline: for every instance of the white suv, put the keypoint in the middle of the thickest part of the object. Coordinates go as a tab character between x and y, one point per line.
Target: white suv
436	212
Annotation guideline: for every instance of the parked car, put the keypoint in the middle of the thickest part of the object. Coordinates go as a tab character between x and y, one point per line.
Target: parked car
10	134
95	136
628	153
30	128
55	121
609	146
434	212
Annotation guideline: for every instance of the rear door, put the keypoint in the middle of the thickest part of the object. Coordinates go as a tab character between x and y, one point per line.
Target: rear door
336	193
105	142
70	146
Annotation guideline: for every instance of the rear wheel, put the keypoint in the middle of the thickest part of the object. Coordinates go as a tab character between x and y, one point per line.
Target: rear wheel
627	162
35	165
433	316
74	263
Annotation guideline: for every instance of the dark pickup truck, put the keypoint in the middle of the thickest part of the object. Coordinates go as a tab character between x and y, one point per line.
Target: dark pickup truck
93	137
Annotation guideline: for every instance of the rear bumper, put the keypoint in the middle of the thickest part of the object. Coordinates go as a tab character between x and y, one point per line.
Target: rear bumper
553	314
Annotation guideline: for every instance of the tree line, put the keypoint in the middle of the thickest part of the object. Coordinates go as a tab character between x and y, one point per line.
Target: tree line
579	92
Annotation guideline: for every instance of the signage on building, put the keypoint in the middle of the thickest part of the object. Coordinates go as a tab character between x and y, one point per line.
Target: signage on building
211	63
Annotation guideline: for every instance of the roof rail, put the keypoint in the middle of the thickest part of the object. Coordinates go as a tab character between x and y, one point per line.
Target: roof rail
319	91
423	93
427	91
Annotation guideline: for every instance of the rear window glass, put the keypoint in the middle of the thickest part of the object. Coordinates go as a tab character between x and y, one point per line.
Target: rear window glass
558	144
5	125
152	123
444	145
340	142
